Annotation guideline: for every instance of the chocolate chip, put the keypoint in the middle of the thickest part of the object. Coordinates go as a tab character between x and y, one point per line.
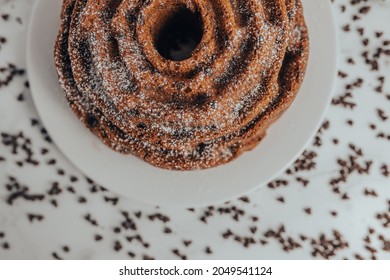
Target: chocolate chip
60	172
70	189
55	189
20	97
138	214
117	246
54	203
200	99
141	126
33	217
56	256
92	121
98	237
208	250
364	10
51	161
73	179
201	148
113	200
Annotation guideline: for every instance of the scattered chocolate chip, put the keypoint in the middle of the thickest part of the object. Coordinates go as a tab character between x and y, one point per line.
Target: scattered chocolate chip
54	203
92	221
208	250
73	179
177	253
98	237
56	256
5	17
60	172
91	121
35	217
117	246
138	214
112	200
55	189
368	192
71	190
20	97
51	161
82	200
146	257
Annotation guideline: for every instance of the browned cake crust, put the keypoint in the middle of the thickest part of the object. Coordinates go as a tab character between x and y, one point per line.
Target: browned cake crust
185	115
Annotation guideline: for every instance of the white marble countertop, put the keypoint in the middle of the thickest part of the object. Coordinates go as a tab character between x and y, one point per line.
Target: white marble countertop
334	202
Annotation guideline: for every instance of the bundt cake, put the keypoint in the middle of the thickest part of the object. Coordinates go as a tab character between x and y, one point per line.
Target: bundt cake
182	84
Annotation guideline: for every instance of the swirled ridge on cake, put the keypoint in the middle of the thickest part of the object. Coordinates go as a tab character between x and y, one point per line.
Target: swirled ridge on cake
183	114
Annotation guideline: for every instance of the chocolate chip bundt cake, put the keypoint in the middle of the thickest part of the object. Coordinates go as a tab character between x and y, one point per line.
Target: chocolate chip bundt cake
182	84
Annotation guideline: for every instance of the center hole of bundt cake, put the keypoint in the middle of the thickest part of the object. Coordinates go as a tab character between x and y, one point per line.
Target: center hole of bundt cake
179	35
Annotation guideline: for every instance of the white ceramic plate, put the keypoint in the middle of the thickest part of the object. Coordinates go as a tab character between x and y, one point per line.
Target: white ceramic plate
131	177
